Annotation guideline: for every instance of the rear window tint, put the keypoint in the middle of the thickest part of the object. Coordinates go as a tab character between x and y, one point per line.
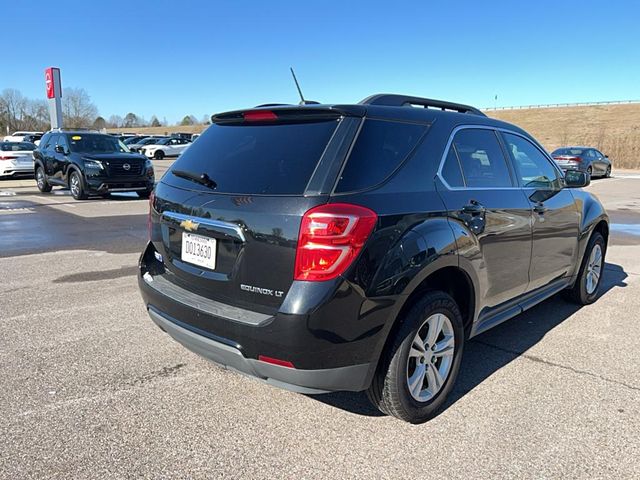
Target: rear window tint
256	159
568	151
380	149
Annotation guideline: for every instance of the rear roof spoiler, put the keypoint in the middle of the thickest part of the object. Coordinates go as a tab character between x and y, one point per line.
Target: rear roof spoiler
393	100
293	113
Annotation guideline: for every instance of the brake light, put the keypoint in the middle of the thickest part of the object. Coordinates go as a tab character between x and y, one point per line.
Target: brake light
331	237
259	116
149	223
7	157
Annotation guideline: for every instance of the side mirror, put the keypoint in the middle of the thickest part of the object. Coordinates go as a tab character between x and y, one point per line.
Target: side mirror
59	149
576	179
606	156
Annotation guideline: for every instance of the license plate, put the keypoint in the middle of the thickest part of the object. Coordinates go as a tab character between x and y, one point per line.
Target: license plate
199	250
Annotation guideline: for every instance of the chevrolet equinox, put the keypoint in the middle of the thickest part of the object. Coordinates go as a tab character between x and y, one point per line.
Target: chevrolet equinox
356	247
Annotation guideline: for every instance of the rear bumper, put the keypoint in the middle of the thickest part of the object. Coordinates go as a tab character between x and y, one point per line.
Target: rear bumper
224	353
333	339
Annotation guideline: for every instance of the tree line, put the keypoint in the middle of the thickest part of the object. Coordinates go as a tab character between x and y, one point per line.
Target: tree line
18	112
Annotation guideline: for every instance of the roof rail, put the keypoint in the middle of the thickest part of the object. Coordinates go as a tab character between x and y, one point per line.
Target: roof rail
393	100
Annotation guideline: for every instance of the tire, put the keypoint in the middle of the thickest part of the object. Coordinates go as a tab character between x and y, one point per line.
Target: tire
584	292
590	172
159	155
41	180
607	174
401	362
76	186
144	194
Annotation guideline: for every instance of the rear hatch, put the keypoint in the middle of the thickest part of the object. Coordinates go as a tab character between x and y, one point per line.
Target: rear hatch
227	214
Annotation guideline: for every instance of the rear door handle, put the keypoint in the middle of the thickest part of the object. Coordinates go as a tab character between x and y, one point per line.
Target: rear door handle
473	208
540	208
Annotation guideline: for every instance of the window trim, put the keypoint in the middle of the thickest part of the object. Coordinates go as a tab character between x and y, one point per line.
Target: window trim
508	159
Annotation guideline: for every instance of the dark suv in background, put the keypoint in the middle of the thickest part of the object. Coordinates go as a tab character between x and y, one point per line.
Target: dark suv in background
356	247
90	163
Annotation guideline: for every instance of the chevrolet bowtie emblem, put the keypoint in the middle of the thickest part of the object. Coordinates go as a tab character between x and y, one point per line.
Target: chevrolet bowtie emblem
189	225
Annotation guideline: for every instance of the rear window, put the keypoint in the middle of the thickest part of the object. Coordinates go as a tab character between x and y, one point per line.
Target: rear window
16	146
568	151
257	159
380	149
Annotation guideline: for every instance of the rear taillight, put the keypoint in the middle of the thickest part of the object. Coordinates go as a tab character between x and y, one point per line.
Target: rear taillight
149	222
7	157
331	237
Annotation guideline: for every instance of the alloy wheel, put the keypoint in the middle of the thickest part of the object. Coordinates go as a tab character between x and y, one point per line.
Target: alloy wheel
594	269
430	357
75	185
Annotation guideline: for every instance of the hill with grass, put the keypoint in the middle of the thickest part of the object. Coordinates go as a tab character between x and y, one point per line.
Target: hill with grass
613	129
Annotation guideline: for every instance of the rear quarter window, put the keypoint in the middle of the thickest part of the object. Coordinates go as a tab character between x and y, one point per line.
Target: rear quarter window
381	147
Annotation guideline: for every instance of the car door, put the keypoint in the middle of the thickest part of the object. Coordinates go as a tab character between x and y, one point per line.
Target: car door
596	168
48	156
63	157
172	147
556	219
59	159
603	160
484	201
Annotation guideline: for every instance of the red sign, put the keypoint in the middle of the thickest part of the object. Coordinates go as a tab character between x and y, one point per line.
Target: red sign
49	82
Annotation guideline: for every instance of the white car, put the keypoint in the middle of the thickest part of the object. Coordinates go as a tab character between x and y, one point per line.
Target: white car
166	147
19	136
16	157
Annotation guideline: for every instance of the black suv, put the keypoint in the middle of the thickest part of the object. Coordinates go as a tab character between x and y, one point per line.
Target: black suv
355	247
90	163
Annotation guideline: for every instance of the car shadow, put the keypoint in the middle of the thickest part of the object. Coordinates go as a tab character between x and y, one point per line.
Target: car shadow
492	350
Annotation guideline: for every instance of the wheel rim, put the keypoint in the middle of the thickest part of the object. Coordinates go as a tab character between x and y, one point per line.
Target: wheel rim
40	178
430	357
594	269
608	171
589	171
75	185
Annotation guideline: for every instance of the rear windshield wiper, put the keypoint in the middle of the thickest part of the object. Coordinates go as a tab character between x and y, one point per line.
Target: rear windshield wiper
202	179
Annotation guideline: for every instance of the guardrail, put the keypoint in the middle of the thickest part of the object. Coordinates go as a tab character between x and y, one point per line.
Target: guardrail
557	105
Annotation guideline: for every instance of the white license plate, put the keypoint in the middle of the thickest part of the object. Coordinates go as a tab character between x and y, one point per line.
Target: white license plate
199	250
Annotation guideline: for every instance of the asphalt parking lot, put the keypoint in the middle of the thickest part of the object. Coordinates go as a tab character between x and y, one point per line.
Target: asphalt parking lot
91	388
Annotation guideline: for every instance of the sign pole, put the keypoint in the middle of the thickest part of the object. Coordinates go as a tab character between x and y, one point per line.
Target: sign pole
54	95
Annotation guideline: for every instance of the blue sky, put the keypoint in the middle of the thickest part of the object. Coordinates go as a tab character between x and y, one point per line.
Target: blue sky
198	57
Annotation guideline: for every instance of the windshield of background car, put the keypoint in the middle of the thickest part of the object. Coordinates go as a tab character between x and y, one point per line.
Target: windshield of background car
151	141
95	143
17	146
568	151
256	159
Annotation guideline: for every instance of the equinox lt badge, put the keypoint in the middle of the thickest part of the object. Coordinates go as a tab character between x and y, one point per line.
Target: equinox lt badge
261	291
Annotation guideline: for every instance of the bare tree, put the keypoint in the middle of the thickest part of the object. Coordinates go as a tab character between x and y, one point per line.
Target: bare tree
12	108
77	108
115	121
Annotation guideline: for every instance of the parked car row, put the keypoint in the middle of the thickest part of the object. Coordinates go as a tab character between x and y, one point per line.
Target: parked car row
22	136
